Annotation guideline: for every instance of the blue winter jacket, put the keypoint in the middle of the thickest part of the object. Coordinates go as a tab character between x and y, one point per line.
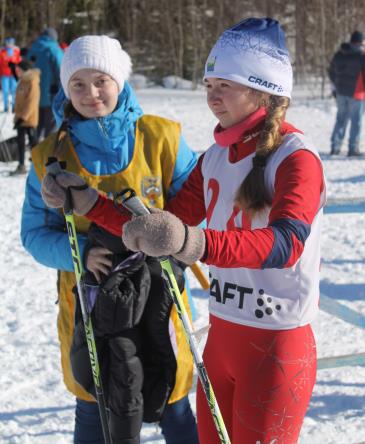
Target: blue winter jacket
103	148
47	56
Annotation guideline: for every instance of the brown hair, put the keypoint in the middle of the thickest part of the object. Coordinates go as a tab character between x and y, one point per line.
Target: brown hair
251	194
68	112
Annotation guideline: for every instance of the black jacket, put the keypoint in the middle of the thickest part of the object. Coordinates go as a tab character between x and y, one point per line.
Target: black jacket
130	318
347	71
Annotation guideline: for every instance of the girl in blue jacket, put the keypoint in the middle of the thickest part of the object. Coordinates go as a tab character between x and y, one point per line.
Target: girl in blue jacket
111	144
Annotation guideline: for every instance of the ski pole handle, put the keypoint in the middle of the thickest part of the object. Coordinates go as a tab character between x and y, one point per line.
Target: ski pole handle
53	167
132	202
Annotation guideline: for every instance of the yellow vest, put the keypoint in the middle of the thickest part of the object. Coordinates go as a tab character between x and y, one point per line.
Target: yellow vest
149	173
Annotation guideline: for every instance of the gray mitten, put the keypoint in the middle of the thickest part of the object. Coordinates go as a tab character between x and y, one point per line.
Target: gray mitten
163	234
54	192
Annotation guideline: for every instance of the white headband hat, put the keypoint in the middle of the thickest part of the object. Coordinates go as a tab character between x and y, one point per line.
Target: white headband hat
253	53
98	52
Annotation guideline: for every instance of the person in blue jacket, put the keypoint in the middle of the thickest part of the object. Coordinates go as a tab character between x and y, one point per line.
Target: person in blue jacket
46	55
111	144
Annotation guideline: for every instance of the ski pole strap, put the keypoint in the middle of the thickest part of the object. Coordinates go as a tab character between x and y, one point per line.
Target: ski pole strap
132	202
69	205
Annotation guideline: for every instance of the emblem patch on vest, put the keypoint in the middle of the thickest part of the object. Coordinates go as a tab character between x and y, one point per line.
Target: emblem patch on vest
151	189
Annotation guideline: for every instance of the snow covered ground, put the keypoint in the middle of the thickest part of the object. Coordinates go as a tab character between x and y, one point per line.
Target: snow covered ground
34	405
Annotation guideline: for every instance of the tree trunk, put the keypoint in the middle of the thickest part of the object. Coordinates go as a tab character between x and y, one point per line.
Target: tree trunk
2	24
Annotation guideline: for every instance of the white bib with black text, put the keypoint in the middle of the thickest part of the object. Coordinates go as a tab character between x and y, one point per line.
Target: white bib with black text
265	298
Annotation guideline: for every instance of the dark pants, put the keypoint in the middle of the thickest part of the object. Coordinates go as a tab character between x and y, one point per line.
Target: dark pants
33	140
178	424
46	123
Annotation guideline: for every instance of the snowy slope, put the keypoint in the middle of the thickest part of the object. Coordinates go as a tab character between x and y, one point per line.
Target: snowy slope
34	405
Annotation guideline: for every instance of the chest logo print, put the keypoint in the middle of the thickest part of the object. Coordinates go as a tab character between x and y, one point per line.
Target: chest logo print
266	305
151	189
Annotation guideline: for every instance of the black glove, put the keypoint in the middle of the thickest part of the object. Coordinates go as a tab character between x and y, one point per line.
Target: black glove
18	123
334	94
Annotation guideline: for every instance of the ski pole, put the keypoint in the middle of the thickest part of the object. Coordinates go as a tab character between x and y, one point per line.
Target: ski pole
132	203
53	167
203	281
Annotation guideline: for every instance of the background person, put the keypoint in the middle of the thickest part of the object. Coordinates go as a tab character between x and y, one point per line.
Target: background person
347	75
46	55
9	54
26	109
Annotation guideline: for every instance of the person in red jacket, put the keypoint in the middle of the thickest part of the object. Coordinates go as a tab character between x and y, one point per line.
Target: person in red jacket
8	54
261	188
64	46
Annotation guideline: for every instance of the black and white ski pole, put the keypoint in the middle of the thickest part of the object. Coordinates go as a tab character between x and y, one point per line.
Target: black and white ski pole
53	167
131	202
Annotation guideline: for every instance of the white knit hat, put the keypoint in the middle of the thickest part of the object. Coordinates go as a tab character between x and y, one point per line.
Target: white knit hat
98	52
253	53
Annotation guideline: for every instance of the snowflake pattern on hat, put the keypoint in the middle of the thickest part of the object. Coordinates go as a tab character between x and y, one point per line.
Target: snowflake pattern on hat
261	46
253	53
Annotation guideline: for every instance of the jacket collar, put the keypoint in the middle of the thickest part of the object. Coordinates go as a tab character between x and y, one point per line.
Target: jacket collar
241	139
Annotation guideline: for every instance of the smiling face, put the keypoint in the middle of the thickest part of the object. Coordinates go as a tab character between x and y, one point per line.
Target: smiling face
230	101
93	93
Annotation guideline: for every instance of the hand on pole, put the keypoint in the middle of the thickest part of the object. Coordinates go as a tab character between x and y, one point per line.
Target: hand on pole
98	262
54	192
160	233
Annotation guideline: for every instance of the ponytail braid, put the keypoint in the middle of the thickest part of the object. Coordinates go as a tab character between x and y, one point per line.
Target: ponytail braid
251	194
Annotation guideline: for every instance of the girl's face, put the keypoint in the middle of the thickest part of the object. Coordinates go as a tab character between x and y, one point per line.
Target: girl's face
229	101
93	93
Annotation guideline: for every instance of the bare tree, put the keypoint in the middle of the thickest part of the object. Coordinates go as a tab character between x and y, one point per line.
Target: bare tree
2	19
174	36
